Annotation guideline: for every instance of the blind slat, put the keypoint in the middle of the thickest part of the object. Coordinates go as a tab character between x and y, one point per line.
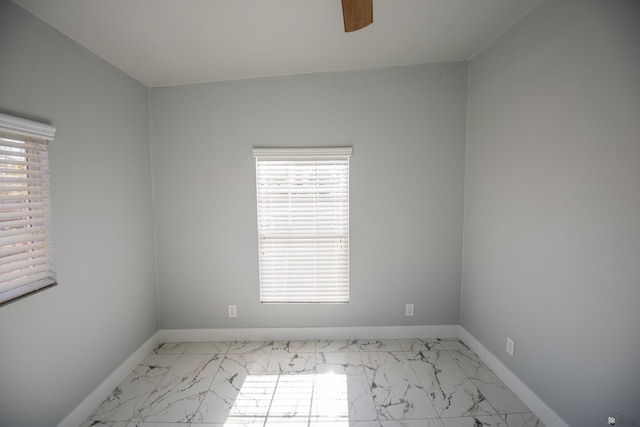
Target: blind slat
15	214
21	236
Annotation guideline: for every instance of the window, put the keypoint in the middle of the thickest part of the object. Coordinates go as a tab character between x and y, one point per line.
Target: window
26	256
303	224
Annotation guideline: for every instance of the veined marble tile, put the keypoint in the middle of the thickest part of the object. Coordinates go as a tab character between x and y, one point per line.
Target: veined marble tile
287	422
91	423
196	365
180	393
246	401
490	385
156	365
474	367
214	347
171	348
420	344
434	422
242	364
469	354
292	398
523	420
323	383
453	394
452	344
240	390
235	422
295	346
332	346
176	399
143	424
396	390
340	363
479	421
379	345
502	398
126	399
342	389
283	362
251	347
348	423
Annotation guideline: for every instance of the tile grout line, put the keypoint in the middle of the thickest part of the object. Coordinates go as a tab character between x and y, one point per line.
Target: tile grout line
213	377
421	383
138	410
369	383
467	376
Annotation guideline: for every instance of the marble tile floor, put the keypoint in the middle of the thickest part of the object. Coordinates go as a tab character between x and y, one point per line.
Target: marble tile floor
362	383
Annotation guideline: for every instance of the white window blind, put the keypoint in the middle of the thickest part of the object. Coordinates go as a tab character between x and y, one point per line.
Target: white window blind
26	256
303	224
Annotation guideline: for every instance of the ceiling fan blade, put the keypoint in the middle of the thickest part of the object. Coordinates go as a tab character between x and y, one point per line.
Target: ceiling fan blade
357	14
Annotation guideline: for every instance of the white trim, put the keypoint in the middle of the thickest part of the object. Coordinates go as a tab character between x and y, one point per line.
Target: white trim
537	406
26	127
270	334
91	402
302	151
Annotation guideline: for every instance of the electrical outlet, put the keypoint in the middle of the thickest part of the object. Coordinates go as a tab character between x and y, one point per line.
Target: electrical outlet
511	346
233	311
408	310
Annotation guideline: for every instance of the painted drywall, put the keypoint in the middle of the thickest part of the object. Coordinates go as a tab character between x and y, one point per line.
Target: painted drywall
406	126
59	345
552	206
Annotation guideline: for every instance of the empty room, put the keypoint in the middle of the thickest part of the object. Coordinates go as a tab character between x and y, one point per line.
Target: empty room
319	213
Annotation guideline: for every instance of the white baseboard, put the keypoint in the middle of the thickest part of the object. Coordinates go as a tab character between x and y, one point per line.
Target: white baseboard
542	411
271	334
91	402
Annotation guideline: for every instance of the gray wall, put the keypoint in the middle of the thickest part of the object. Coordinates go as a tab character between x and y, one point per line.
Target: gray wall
552	206
59	345
407	129
551	214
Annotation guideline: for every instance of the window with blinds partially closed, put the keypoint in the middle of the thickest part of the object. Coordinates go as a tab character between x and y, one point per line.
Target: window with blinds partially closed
26	257
303	224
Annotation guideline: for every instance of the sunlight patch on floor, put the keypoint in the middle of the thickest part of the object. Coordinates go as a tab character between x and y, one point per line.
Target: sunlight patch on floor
291	398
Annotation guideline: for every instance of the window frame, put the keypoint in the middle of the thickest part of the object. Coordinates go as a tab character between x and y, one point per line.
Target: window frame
302	197
26	241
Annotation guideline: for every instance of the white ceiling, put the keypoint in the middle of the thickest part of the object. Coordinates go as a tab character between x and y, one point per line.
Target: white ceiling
173	42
